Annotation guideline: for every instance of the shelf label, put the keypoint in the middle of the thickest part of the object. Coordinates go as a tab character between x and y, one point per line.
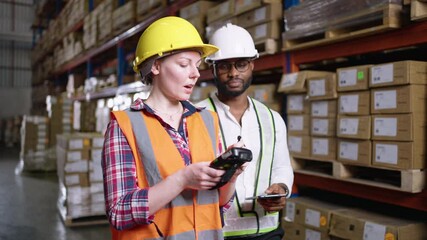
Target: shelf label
349	126
382	74
295	144
385	99
296	102
386	153
317	87
312	217
320	126
296	122
260	14
385	127
290	212
320	146
290	79
349	103
312	235
373	231
347	78
349	150
319	109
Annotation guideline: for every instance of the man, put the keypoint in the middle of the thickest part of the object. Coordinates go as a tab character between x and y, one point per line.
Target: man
261	129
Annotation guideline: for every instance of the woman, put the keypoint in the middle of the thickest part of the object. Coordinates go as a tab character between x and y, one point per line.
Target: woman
156	154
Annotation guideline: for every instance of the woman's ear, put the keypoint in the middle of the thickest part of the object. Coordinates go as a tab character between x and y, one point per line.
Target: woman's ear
155	69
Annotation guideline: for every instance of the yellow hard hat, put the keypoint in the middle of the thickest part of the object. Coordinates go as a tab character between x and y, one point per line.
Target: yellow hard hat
169	34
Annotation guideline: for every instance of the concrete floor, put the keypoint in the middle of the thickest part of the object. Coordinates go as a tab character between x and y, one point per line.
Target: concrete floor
28	206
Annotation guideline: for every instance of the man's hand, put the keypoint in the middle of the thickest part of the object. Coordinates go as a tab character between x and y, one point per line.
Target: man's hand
273	204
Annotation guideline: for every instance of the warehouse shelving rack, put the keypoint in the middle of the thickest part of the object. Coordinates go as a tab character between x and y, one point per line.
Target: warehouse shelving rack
413	34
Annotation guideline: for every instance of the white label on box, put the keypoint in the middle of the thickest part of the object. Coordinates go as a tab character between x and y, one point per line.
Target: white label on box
385	127
78	166
347	77
349	126
72	179
97	142
260	14
386	153
320	126
349	150
296	123
74	155
317	87
320	146
75	144
312	217
319	109
385	99
260	31
296	102
349	103
295	144
96	155
312	235
289	79
290	212
373	231
382	74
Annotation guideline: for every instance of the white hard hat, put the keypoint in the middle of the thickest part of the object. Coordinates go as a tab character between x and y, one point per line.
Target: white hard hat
233	42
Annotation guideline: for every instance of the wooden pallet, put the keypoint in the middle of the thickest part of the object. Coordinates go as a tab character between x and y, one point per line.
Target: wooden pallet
267	46
83	220
370	21
413	181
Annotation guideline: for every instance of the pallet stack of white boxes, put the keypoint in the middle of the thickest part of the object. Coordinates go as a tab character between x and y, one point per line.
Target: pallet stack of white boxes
80	176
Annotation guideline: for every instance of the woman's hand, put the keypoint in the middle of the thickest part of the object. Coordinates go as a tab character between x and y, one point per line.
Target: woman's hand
200	176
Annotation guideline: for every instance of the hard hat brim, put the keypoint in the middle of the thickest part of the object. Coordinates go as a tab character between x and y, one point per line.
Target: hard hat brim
144	67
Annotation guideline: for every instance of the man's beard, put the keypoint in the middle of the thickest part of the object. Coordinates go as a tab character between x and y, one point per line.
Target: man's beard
223	90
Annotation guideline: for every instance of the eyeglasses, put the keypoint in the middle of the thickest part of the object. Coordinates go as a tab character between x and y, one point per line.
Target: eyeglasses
225	67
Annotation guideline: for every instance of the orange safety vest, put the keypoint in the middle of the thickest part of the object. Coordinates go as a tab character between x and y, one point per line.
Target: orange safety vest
192	214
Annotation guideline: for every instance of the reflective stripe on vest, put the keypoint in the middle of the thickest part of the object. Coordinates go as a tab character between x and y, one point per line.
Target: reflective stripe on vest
238	223
194	211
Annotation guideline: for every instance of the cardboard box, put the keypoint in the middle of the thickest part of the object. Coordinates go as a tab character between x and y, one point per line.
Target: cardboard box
265	93
354	103
299	146
323	148
399	155
353	78
299	124
324	108
401	99
297	104
320	88
264	31
248	5
355	127
357	152
398	73
295	231
296	82
220	11
323	127
309	212
198	8
399	127
356	224
267	13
